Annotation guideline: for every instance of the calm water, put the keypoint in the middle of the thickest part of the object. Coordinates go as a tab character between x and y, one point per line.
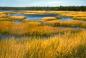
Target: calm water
37	16
64	18
34	16
7	11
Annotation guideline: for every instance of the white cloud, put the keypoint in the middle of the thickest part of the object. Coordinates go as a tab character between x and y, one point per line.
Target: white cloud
54	3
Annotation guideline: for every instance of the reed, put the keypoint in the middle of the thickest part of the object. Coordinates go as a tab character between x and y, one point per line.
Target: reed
67	46
5	26
80	18
33	28
25	28
71	23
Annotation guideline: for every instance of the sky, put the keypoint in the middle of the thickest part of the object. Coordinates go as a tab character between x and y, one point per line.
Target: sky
43	3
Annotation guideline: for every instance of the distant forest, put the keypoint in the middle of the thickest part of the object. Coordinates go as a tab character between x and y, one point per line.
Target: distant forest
61	8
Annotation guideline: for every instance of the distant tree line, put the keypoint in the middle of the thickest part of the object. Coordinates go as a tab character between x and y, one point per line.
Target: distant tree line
63	8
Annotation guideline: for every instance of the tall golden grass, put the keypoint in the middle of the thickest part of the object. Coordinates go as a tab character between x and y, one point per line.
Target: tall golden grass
31	28
71	23
80	18
68	46
26	28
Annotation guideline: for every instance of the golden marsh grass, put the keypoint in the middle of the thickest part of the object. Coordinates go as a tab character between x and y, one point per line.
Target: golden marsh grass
70	45
72	13
80	18
17	17
64	41
48	19
71	23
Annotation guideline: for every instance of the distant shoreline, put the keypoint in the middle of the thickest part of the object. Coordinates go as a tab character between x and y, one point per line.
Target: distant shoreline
60	8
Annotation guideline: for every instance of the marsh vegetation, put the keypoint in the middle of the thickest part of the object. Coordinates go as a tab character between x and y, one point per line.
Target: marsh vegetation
48	37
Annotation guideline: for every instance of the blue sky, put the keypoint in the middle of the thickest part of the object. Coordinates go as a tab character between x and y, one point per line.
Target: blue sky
27	3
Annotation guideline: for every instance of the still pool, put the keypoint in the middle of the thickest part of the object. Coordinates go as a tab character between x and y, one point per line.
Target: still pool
40	16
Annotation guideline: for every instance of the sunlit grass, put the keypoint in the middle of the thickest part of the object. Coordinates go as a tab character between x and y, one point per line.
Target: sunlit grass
67	46
31	28
48	19
71	23
26	28
5	26
17	18
3	14
80	18
72	13
64	39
